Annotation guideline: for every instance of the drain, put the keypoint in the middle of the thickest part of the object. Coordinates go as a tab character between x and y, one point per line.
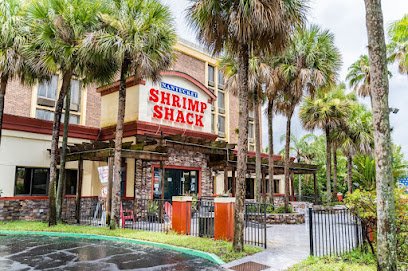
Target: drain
249	266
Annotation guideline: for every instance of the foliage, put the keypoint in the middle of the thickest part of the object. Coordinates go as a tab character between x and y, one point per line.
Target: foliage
363	204
153	207
222	249
356	260
398	47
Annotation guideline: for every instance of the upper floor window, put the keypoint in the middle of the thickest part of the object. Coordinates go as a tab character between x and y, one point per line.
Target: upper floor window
211	76
251	131
221	101
221	126
47	95
220	80
213	123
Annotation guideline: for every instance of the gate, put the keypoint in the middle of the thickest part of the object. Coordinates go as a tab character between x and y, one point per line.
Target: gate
334	231
255	224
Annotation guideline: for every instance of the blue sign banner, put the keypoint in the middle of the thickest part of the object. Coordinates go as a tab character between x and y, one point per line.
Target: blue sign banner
179	89
403	183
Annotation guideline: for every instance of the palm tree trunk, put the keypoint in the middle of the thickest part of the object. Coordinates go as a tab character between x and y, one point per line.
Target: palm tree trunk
3	85
52	212
270	158
61	181
117	163
243	60
386	221
334	170
350	173
328	164
258	159
287	159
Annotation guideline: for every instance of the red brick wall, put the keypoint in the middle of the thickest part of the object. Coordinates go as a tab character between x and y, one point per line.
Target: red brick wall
191	66
18	99
93	107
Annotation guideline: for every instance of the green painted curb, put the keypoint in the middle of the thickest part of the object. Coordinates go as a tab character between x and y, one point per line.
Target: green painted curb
205	255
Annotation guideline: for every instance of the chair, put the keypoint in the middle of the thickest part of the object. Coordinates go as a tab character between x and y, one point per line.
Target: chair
126	215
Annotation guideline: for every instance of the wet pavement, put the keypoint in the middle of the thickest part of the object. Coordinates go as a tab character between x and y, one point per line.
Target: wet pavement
61	253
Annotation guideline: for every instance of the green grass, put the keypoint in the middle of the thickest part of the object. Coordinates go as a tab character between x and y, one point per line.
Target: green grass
222	249
353	261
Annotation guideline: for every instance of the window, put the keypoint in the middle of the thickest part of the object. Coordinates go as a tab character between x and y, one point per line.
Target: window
251	131
47	96
220	80
276	181
213	123
221	101
251	114
70	181
31	181
251	148
211	75
221	125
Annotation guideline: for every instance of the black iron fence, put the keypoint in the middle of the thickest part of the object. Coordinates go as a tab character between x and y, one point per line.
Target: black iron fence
334	231
202	218
149	215
255	231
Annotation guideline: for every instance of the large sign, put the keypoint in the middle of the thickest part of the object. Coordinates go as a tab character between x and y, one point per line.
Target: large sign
176	102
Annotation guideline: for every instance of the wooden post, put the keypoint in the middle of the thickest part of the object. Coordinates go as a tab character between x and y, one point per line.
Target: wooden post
79	191
109	196
225	178
315	188
161	179
233	182
292	186
264	190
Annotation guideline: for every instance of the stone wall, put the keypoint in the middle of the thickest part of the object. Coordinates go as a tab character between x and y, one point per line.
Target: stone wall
178	158
37	209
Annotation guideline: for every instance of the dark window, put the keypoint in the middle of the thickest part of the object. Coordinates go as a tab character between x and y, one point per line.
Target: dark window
276	186
221	125
211	76
220	80
71	182
31	181
221	101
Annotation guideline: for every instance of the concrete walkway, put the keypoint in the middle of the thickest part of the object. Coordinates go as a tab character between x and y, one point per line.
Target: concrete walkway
287	245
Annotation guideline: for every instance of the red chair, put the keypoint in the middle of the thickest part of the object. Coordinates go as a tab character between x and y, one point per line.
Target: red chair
168	209
126	215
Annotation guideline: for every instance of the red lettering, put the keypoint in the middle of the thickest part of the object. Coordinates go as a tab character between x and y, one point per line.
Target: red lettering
193	105
199	121
168	114
190	118
157	112
176	101
184	103
203	107
180	117
154	95
165	98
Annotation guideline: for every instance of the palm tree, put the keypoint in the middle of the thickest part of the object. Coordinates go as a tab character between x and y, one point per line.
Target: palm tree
245	26
12	62
379	85
358	76
326	111
355	138
139	37
310	63
56	28
259	73
398	47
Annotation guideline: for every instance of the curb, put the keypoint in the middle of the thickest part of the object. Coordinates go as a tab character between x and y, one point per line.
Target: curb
205	255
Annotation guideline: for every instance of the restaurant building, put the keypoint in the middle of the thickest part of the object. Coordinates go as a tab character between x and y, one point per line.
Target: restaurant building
179	139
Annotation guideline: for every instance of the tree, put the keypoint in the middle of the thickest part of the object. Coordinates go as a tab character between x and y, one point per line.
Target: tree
245	26
310	63
379	86
326	111
12	63
259	73
398	47
359	76
139	36
56	29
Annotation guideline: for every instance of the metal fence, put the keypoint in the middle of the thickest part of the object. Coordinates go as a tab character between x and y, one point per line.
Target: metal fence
334	231
202	218
255	223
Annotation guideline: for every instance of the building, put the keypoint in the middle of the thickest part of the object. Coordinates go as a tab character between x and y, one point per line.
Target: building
183	128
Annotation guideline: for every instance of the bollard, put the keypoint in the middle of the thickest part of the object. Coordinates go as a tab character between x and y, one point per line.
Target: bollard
181	216
224	218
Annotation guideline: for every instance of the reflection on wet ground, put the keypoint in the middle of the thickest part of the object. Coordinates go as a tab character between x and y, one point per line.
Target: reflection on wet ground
60	253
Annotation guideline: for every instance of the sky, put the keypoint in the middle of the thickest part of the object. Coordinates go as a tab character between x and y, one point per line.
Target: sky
346	20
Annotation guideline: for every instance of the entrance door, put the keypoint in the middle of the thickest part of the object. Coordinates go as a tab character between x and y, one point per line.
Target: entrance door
177	182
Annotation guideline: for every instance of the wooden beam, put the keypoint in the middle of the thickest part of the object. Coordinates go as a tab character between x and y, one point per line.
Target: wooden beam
109	196
79	191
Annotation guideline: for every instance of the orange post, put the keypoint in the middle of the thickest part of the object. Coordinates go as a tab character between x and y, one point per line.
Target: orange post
224	218
181	217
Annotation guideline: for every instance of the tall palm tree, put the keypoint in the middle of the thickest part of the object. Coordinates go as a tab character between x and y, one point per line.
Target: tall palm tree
379	85
139	37
56	29
259	73
310	63
398	47
241	26
325	112
12	63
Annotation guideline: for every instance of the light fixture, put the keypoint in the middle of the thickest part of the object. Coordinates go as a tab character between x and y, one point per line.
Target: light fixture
394	110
